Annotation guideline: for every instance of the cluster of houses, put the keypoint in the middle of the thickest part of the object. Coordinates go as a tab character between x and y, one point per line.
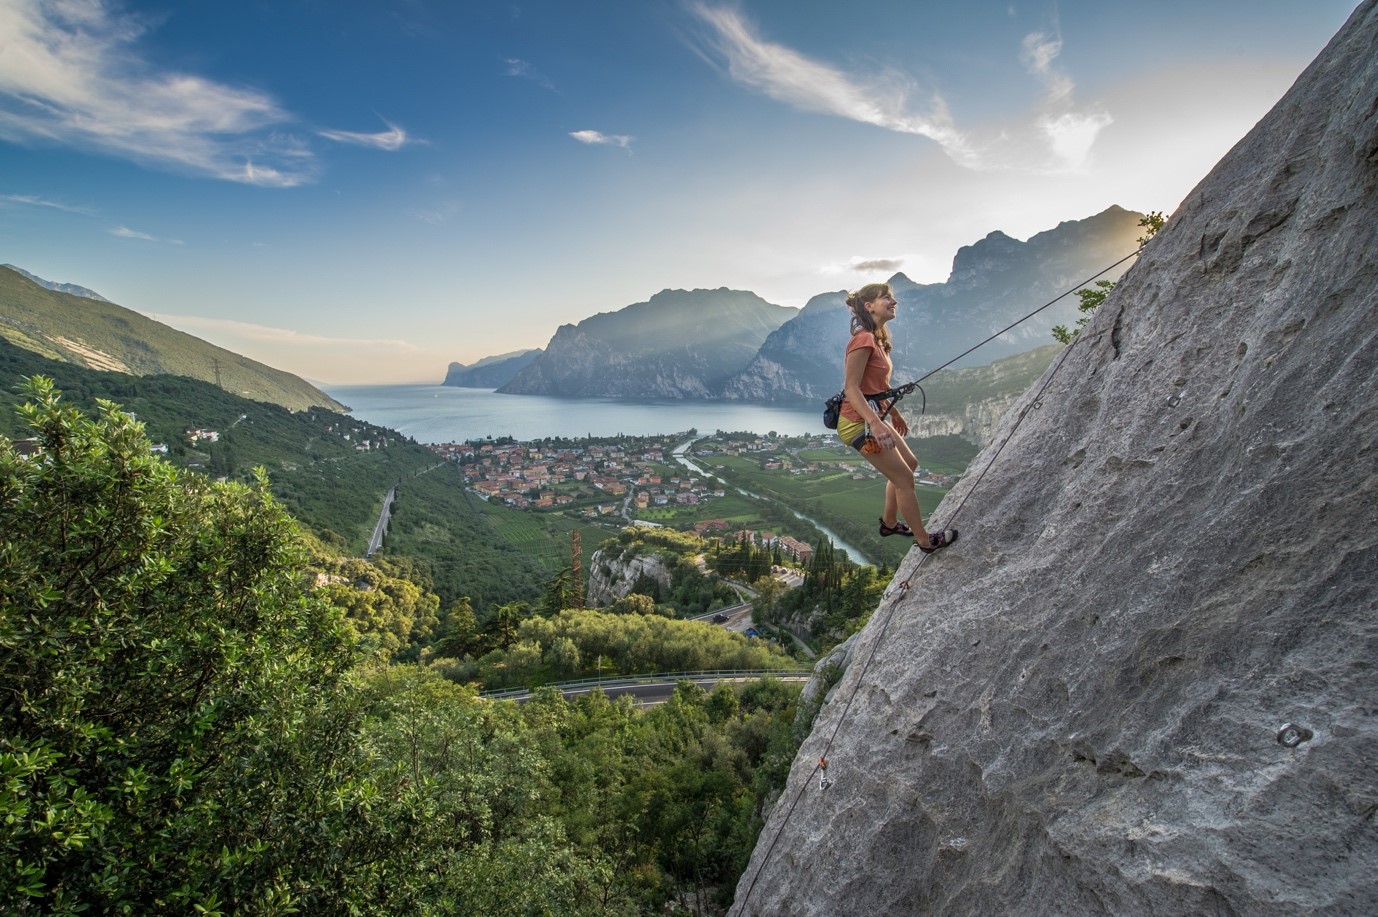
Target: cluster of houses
786	464
527	475
790	547
609	478
361	437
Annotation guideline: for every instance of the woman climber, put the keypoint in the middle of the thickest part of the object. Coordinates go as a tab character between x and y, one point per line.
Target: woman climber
872	426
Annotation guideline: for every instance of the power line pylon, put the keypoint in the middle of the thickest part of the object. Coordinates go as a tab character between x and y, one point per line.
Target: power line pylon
576	569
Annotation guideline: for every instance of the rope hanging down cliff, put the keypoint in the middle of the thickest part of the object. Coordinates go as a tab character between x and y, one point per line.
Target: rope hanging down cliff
888	599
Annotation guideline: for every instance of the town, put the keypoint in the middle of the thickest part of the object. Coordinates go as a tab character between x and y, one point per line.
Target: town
684	480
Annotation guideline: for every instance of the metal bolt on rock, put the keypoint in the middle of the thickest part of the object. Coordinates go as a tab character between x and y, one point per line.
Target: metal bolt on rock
1290	735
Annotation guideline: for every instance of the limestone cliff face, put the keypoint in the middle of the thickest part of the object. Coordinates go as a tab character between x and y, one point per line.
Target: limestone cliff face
610	579
1078	709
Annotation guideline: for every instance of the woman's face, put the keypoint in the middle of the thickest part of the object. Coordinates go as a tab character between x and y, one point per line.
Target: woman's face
881	309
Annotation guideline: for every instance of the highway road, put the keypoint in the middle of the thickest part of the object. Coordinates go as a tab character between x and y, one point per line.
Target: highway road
380	529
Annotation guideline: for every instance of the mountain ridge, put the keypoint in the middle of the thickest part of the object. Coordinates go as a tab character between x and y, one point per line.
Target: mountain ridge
993	283
102	335
69	288
647	350
491	372
678	344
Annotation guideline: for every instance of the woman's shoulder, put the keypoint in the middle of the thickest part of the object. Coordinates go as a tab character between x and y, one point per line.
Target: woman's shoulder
861	339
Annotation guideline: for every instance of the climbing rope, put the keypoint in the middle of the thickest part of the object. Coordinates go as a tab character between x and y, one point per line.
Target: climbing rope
821	768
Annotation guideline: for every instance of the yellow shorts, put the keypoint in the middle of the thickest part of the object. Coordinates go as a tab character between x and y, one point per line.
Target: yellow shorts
849	430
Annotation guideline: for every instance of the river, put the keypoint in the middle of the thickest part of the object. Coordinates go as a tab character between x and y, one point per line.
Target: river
681	455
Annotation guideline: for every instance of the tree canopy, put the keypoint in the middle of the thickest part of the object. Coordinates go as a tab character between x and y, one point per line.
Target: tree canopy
192	720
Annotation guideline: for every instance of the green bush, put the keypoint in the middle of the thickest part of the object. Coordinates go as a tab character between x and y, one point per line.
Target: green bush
165	739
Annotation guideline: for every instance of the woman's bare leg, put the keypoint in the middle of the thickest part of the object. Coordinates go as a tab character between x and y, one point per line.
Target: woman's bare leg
890	516
899	481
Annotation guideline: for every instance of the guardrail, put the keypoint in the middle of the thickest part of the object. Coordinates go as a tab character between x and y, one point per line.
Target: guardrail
624	680
730	609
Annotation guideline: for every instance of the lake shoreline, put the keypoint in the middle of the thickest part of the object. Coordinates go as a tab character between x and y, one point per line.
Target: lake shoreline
445	414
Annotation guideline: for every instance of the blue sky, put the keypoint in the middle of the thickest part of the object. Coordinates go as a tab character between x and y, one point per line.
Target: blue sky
362	191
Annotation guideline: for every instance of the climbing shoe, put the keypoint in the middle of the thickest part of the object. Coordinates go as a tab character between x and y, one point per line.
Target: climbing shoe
899	528
938	540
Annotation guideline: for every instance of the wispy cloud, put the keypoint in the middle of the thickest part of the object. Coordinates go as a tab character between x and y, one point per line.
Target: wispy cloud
34	201
268	334
597	138
524	70
124	232
72	74
884	100
1069	134
1038	53
394	138
318	356
1055	137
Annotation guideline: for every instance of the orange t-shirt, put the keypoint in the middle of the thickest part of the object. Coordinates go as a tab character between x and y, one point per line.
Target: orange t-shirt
876	376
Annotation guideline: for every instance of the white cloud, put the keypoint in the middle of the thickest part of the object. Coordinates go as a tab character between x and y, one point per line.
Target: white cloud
1067	134
1053	138
72	74
394	138
35	201
124	232
1070	136
597	138
1039	52
791	77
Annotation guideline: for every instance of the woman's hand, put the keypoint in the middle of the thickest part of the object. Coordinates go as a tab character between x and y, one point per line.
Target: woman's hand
884	435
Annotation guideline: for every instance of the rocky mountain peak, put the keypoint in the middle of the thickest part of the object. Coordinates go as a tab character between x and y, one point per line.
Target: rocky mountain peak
981	256
1142	681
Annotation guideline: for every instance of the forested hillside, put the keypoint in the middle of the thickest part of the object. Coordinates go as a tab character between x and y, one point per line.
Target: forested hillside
99	334
197	720
329	470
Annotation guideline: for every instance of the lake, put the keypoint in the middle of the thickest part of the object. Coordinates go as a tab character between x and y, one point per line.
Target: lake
446	414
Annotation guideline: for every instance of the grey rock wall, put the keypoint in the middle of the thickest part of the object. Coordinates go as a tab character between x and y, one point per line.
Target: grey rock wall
613	579
1077	709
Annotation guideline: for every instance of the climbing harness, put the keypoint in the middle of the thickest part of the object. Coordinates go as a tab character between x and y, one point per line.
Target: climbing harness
1290	735
883	403
832	408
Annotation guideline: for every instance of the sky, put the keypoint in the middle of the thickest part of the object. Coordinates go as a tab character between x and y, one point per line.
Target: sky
363	191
